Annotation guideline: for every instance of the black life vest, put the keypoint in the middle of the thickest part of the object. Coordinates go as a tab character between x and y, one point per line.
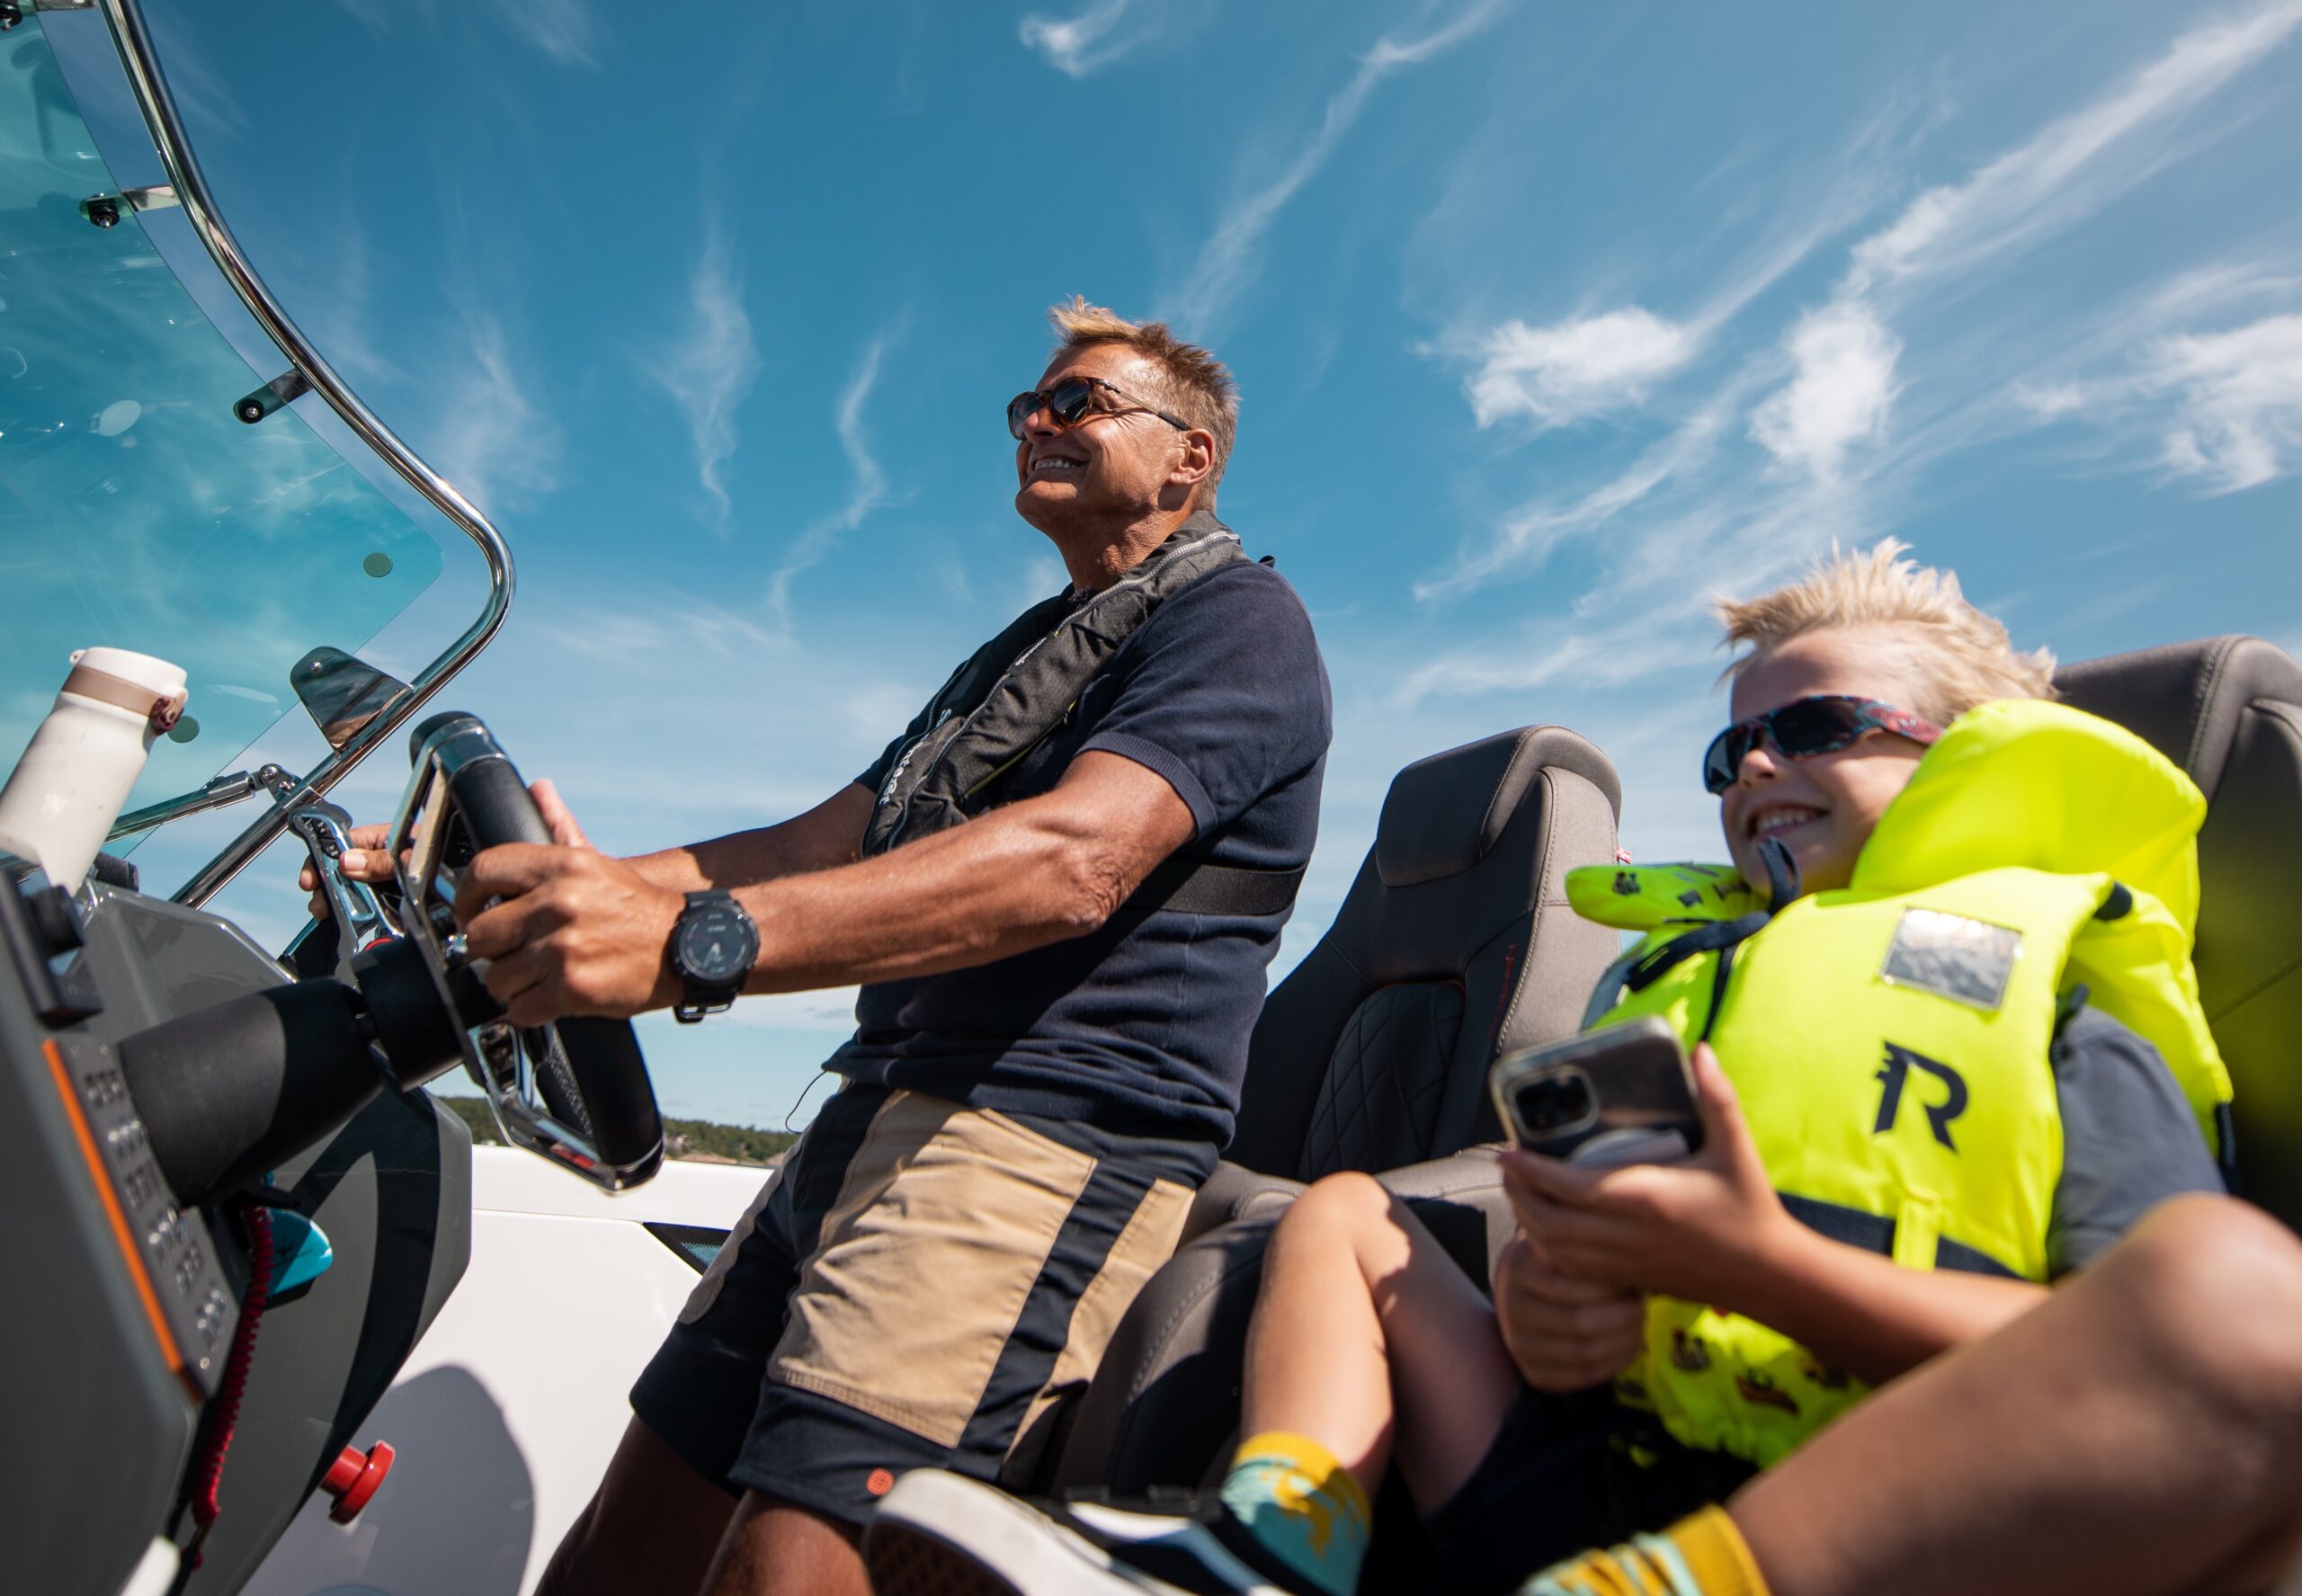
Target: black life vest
1011	694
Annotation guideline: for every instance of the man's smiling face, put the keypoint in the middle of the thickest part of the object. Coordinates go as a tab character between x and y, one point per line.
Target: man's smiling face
1114	465
1824	807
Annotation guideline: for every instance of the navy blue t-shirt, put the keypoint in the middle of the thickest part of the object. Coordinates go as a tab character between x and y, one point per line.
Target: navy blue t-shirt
1140	1026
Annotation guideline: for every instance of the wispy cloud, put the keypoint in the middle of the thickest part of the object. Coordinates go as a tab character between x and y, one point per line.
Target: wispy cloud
1693	513
1599	362
1547	653
563	29
710	370
2239	417
207	99
867	492
1227	261
493	442
1845	385
1527	538
1103	32
1648	611
341	311
656	626
2063	172
1595	363
375	15
2227	406
1585	366
1079	45
1844	354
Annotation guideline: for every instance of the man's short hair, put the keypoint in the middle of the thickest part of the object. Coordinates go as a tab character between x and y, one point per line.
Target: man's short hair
1191	382
1955	656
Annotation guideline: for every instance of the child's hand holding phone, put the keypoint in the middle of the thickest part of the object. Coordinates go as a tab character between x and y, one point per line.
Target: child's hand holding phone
1708	1229
1620	1095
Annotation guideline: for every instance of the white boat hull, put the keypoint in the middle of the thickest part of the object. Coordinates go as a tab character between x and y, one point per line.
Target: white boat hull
506	1413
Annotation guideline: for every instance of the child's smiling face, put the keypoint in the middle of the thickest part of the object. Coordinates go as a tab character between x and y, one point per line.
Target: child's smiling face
1824	807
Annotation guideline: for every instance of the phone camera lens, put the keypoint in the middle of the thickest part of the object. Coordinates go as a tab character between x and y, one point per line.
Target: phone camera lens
1548	1105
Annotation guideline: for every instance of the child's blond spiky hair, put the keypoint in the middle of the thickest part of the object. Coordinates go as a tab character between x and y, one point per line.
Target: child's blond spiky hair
1956	656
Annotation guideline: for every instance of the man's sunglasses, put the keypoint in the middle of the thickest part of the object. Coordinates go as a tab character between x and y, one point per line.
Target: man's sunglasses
1804	727
1071	401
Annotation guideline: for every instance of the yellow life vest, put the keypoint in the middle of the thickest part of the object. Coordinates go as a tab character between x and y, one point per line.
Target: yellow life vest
1888	1041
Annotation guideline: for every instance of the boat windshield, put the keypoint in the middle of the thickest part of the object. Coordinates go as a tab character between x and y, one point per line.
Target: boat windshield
138	510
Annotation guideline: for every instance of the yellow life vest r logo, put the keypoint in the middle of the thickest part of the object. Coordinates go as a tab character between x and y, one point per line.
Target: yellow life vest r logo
1895	1072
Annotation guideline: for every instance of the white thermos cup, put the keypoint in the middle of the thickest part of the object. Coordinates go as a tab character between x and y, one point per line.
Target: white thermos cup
67	789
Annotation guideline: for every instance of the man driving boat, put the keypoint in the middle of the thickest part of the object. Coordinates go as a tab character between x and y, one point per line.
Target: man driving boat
1059	889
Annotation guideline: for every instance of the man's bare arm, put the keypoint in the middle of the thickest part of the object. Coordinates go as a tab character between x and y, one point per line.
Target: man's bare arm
1025	874
581	933
820	839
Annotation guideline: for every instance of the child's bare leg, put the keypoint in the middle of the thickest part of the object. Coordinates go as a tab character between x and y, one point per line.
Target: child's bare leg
1370	1340
2140	1432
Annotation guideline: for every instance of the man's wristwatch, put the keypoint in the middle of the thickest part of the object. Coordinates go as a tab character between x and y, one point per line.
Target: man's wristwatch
713	946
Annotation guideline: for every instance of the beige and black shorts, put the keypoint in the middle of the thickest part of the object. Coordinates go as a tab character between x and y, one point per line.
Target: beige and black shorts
918	1286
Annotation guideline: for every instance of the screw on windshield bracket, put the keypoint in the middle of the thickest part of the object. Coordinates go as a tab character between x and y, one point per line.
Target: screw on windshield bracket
103	209
272	395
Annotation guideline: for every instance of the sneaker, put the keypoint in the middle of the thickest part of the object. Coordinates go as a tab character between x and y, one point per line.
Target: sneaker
939	1534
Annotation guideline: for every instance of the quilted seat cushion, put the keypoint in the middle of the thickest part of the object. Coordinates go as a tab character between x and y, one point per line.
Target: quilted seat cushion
1380	1102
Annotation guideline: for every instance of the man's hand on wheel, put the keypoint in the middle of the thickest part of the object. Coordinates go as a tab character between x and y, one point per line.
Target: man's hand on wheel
366	860
577	932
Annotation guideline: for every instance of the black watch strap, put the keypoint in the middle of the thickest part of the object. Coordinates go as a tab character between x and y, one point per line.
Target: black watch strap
698	998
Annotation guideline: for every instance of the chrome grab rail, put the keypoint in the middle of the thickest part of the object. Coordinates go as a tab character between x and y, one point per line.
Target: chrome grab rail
220	792
133	41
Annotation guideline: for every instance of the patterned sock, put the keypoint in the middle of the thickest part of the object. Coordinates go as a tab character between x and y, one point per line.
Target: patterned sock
1300	1505
1701	1555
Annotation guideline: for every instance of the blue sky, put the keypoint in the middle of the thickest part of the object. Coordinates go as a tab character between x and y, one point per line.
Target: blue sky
1552	320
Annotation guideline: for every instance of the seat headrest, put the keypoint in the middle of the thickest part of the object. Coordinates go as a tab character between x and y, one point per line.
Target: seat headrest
1445	814
2185	699
2230	710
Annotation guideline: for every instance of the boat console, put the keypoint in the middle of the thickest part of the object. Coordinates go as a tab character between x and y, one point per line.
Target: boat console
181	1116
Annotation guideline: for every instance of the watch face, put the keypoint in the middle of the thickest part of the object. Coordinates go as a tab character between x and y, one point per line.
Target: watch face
716	944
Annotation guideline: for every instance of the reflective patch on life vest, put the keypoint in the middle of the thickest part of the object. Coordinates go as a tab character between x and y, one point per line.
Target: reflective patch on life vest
1968	961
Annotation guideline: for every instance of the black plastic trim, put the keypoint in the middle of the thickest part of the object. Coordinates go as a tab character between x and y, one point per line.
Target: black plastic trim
679	1238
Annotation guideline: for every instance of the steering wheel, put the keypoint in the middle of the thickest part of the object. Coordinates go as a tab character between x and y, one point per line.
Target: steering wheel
576	1092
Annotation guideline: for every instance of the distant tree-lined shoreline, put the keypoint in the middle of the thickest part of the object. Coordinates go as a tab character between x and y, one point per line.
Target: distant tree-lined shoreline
700	1140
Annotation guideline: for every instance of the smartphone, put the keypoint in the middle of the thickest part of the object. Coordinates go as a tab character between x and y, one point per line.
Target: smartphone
1621	1094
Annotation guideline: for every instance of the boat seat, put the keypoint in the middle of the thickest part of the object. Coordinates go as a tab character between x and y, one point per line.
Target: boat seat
2229	711
1454	944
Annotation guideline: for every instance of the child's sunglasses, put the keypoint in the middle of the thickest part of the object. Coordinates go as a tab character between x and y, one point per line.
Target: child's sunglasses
1804	727
1071	401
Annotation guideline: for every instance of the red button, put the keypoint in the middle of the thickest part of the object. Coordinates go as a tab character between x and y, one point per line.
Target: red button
354	1477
